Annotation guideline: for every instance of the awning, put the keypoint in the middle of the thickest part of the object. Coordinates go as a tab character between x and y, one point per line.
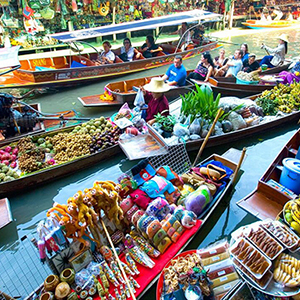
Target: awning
169	20
9	57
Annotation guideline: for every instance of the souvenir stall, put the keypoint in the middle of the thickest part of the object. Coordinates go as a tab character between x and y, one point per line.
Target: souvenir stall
111	240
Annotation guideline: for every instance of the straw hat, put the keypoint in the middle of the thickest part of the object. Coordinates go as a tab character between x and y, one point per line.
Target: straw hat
284	37
157	85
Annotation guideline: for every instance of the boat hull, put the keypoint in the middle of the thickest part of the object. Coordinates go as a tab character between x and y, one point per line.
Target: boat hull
74	76
258	24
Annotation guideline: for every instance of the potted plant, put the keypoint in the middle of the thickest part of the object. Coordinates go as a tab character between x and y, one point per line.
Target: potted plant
167	124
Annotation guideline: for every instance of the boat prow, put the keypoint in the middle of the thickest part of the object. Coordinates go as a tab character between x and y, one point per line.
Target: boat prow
259	24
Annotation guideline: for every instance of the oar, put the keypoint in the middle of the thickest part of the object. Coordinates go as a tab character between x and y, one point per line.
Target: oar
235	174
118	260
207	136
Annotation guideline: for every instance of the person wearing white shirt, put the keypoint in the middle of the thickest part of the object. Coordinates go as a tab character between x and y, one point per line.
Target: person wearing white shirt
107	56
233	66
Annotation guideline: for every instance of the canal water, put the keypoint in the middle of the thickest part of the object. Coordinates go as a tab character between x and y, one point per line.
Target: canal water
30	207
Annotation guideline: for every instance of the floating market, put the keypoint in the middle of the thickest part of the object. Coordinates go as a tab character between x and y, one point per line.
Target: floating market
181	182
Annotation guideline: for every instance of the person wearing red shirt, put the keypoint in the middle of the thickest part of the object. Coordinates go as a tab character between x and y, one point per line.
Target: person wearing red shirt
155	98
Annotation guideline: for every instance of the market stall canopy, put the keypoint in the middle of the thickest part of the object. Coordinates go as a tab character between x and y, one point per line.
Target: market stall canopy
174	19
9	59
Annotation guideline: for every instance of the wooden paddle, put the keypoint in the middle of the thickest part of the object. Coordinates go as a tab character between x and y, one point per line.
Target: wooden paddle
238	166
118	260
207	136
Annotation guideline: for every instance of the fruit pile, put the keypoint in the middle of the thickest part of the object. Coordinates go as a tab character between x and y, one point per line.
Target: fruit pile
45	144
285	98
101	141
31	157
6	173
93	126
68	146
292	214
8	156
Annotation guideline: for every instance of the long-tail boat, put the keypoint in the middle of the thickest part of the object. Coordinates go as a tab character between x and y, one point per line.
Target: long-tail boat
267	201
125	90
62	71
259	24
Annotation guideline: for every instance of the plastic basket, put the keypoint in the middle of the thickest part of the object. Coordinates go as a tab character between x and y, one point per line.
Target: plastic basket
240	81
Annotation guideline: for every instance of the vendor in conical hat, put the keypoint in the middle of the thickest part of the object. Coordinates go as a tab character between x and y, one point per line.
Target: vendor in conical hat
155	98
276	56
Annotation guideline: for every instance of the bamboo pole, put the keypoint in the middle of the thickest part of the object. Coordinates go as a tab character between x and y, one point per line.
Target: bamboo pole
207	136
118	260
235	174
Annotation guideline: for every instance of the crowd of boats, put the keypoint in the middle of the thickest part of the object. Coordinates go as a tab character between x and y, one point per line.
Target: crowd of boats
199	118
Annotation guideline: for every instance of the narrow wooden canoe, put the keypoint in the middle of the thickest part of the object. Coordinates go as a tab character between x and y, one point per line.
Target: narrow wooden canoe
259	24
266	201
227	86
122	92
5	213
58	71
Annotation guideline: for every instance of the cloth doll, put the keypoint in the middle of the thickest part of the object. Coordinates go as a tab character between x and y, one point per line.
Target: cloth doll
169	174
198	200
140	198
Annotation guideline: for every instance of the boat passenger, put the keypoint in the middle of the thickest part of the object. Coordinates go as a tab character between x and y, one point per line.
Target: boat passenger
204	69
150	49
233	66
292	76
250	64
220	60
244	48
155	98
185	34
176	74
277	55
127	52
107	56
265	16
296	13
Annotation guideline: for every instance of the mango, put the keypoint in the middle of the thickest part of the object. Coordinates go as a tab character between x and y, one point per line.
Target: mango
288	217
295	226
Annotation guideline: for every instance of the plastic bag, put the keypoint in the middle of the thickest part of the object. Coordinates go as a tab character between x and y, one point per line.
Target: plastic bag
180	130
195	127
84	279
125	110
188	120
139	99
93	268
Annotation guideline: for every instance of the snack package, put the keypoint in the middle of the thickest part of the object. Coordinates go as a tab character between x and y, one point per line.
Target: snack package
215	249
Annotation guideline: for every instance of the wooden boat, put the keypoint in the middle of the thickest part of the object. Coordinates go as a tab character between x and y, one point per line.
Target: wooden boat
71	70
122	91
259	24
227	86
5	213
266	201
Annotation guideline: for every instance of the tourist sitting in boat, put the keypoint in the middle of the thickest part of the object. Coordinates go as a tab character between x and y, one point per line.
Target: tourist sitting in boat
277	55
233	66
127	52
176	74
204	69
296	13
107	56
250	64
184	34
150	49
244	48
198	34
155	98
292	76
265	16
221	60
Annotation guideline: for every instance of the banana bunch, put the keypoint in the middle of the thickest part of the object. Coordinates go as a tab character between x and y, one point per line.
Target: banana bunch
287	270
285	98
292	214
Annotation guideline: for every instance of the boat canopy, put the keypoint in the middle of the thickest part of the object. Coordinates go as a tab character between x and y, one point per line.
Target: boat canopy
169	20
9	59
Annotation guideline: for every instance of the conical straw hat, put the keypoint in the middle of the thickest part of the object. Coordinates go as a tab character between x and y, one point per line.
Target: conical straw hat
157	85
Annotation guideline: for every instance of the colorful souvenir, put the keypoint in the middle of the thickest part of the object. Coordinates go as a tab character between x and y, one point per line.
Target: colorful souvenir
198	200
118	296
164	244
136	216
169	174
152	228
159	236
131	212
99	287
106	252
158	208
109	274
140	198
127	269
143	223
126	204
130	262
117	272
144	245
103	278
134	282
142	172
